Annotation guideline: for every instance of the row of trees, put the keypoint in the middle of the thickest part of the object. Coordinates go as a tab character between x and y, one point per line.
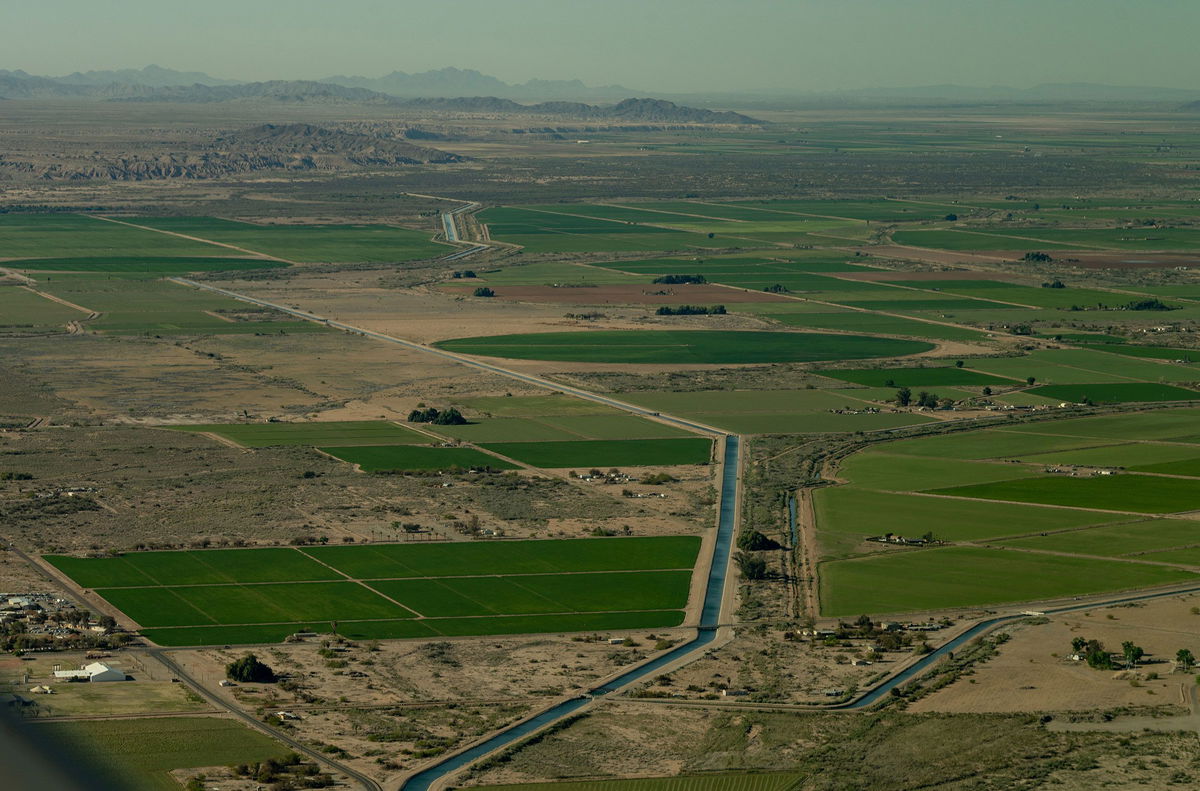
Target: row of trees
1098	657
692	310
904	397
678	280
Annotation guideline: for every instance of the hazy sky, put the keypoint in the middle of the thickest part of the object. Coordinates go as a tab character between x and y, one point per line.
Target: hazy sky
652	45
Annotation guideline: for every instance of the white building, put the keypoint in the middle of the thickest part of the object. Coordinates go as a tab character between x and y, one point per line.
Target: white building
96	671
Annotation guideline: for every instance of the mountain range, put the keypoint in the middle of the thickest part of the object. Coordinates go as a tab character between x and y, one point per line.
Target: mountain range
155	83
449	82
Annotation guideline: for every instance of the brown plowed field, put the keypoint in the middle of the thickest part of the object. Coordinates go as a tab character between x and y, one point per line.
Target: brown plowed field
625	294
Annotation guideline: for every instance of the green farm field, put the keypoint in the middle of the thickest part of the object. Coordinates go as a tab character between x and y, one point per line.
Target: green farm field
400	458
970	577
880	469
1173	425
396	590
1145	494
160	265
862	321
214	566
40	236
1082	366
383	561
988	444
1131	539
1054	239
776	411
135	303
22	309
915	377
139	754
1116	392
309	243
1152	352
542	231
608	452
341	433
848	514
683	346
1187	466
1061	523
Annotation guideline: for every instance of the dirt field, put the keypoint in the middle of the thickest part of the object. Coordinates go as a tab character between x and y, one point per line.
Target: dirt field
647	294
886	752
395	705
17	576
166	488
761	666
1031	672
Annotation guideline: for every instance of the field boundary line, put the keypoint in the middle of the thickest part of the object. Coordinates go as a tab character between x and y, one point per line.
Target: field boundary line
428	620
667	211
931	292
795	213
192	238
1083	555
985	333
421	577
359	582
61	301
1043	505
1066	245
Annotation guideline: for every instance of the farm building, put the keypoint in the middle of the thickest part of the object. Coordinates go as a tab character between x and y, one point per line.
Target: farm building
96	671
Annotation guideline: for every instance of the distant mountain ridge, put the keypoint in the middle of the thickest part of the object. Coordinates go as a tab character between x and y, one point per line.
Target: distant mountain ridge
154	84
151	76
463	83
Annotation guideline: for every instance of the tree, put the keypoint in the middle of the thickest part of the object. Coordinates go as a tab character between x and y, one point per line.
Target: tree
1185	659
1078	644
751	567
1097	658
248	668
754	541
1029	380
958	363
484	291
107	622
904	396
987	391
451	417
1131	652
951	218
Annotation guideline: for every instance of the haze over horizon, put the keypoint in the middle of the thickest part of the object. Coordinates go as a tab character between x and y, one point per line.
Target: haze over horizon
670	46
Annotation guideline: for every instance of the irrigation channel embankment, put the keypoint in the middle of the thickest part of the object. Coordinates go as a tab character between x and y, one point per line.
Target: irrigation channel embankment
710	614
